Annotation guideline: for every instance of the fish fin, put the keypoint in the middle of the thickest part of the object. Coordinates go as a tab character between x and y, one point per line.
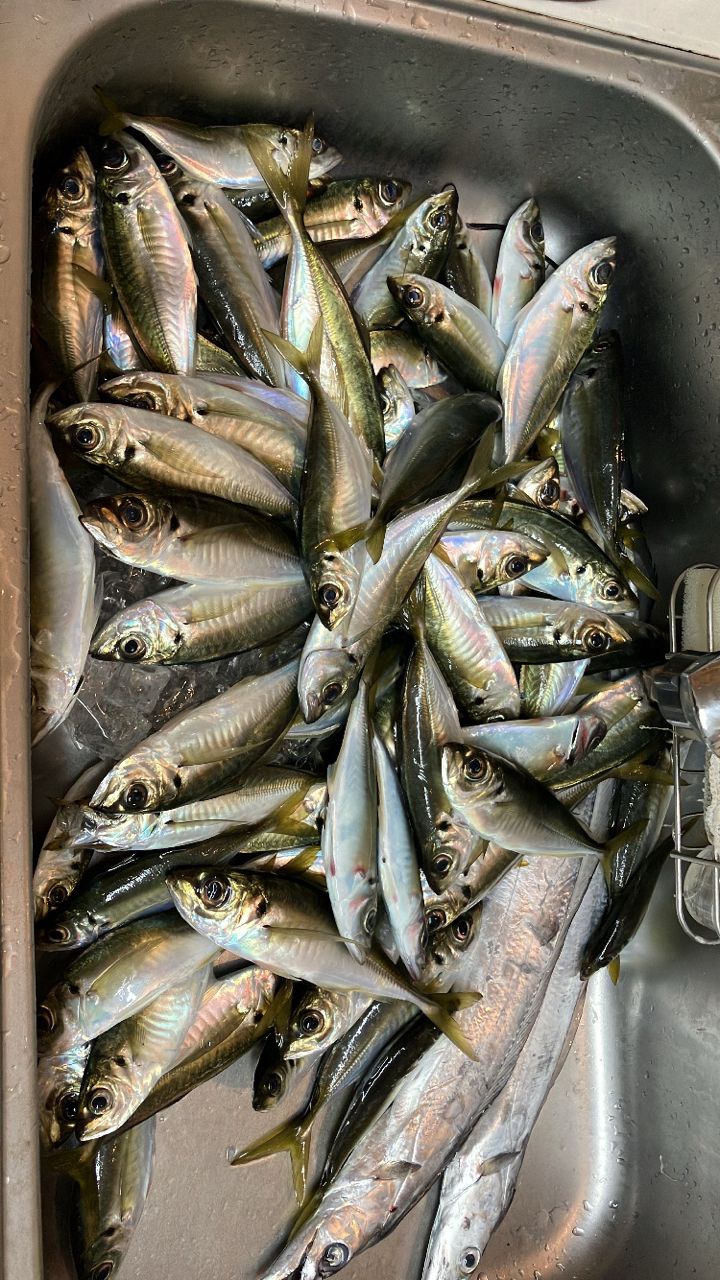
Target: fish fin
94	284
496	1163
115	120
75	1162
440	1010
289	190
301	862
635	575
398	1169
344	540
293	1137
501	474
307	1210
415	607
291	354
613	969
480	465
375	538
643	773
616	843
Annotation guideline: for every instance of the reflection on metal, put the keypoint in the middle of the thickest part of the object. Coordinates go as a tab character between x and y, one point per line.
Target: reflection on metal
690	729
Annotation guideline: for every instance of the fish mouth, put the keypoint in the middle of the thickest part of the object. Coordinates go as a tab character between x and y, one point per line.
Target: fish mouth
589	732
103	525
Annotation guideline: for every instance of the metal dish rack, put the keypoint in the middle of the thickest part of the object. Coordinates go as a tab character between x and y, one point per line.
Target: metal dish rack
689	754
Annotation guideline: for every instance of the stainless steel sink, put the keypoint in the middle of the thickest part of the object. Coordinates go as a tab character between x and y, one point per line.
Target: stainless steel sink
621	1172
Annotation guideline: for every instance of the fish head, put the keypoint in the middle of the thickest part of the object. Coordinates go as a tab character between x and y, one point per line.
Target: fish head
452	846
334	586
59	1081
418	297
51	692
326	675
609	591
107	1097
375	200
57	1018
126	520
530	238
591	632
448	940
470	775
96	432
161	393
313	1023
432	223
588	274
140	783
143	633
590	731
328	1241
541	484
69	203
64	931
125	169
270	1082
218	903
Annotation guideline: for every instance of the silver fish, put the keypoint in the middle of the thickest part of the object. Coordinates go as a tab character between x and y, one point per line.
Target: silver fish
520	267
398	866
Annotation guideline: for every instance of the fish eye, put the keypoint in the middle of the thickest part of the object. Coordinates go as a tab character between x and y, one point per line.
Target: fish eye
188	199
312	1022
57	895
331	692
612	590
602	272
273	1084
412	296
435	919
136	796
133	513
475	768
166	164
214	892
469	1261
330	594
86	437
99	1101
596	641
549	492
45	1020
58	934
336	1255
68	1107
461	928
389	191
318	146
440	220
442	863
103	1271
516	566
114	157
537	232
72	188
133	648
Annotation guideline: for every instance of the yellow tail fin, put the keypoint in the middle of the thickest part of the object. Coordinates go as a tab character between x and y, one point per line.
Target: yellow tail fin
293	1137
440	1011
115	120
289	190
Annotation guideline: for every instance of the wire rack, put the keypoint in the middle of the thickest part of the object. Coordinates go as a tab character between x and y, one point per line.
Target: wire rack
689	755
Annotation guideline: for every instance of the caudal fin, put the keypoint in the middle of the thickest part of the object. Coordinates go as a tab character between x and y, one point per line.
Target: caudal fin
115	120
289	190
440	1011
293	1137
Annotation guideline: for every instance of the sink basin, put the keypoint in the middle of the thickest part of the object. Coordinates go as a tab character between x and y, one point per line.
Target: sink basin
612	137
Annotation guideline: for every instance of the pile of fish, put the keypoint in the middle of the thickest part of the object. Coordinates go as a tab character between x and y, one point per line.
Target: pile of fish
397	847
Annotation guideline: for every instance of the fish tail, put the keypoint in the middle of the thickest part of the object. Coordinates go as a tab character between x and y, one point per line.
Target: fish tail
307	1209
306	364
289	190
375	538
635	575
115	120
440	1011
480	465
614	970
415	606
293	1137
301	862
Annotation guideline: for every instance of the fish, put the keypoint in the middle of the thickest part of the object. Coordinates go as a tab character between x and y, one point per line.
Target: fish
347	209
146	253
484	559
552	333
221	153
575	568
626	911
538	630
543	746
274	411
541	484
347	1061
398	869
67	316
112	1180
296	938
61	863
349	838
64	598
467	647
459	333
462	896
438	1102
193	539
148	449
592	433
633	727
302	860
413	361
128	1059
346	372
231	279
195	623
479	1183
419	247
520	268
274	1073
115	977
465	271
398	407
321	1018
197	750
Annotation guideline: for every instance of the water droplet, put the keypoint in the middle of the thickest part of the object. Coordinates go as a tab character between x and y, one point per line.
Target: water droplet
578	1231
